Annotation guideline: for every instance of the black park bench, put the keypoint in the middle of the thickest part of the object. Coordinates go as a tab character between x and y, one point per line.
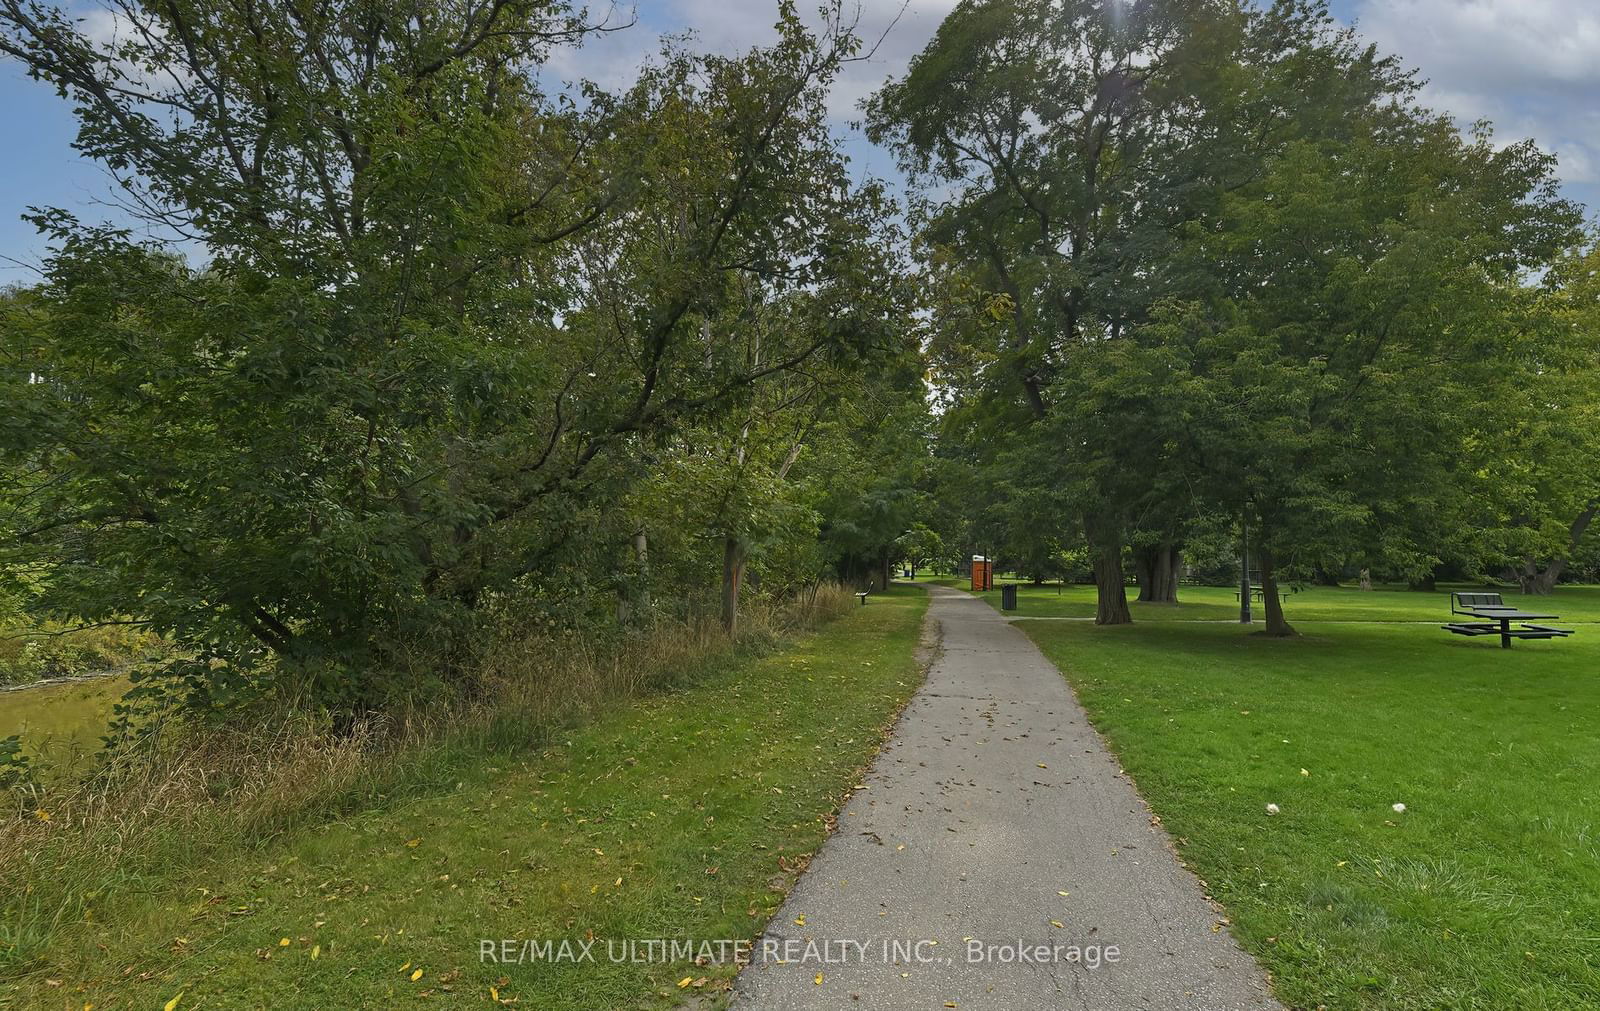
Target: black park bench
1260	593
1495	618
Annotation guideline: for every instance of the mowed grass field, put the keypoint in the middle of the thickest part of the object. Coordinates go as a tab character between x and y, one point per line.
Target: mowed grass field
1312	603
687	814
1483	894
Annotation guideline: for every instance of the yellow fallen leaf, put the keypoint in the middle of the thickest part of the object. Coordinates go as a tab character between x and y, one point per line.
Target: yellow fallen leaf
818	980
42	815
283	942
801	919
1061	893
617	883
1058	925
494	995
414	843
1305	772
403	968
416	975
685	981
1043	766
316	952
173	1003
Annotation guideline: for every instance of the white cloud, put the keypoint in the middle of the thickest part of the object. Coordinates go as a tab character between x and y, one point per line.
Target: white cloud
1531	66
729	27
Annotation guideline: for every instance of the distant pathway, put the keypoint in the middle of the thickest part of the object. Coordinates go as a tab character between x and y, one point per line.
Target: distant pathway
994	796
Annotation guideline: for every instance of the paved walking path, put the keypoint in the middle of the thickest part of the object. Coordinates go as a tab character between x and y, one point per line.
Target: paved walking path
994	796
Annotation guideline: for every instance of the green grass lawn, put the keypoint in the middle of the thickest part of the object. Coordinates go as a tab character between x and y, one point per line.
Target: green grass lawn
1312	603
1484	893
686	814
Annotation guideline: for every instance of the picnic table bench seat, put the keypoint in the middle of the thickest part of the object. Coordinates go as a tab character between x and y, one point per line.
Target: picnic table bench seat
1496	617
1260	593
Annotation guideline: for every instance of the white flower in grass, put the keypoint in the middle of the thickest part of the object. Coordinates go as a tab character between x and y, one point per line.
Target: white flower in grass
1399	808
1273	809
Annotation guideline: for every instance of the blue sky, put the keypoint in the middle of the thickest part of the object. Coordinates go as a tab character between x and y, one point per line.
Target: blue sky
1531	66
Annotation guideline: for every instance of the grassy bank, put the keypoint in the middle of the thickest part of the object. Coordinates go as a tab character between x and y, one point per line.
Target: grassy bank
685	813
1484	893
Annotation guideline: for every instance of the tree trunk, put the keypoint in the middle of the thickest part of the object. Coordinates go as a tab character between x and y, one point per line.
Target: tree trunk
1156	568
886	569
641	557
732	575
1540	582
1537	581
1322	577
1427	583
633	597
1269	593
1111	593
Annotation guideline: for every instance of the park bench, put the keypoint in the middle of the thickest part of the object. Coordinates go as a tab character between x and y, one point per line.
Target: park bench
1476	603
862	596
1260	593
1499	615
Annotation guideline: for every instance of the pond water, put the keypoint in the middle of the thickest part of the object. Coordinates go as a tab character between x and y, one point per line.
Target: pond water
61	724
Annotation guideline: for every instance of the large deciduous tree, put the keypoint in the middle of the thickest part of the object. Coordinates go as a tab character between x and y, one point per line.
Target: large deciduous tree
444	317
1198	258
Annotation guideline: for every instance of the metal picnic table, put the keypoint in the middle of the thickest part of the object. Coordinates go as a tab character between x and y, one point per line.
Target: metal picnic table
1496	617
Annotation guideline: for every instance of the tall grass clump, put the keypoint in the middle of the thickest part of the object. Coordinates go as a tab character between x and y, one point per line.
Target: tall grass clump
185	791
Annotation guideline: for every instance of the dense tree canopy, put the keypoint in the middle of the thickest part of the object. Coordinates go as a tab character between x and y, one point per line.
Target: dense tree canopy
445	348
1201	261
447	327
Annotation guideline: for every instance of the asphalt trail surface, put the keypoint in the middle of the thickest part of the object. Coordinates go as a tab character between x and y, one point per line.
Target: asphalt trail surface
993	797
